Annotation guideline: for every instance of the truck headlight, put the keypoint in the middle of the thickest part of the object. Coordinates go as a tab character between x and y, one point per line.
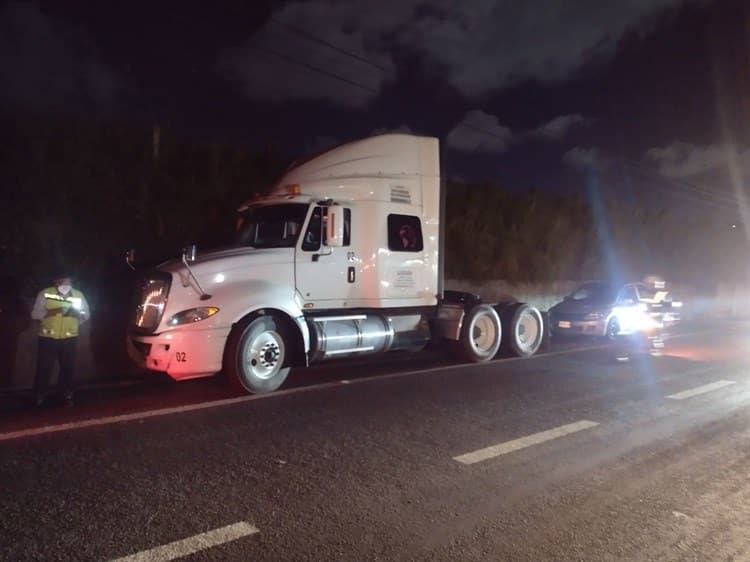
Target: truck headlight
151	298
192	315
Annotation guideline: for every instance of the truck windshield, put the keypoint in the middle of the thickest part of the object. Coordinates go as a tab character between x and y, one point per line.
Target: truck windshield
271	226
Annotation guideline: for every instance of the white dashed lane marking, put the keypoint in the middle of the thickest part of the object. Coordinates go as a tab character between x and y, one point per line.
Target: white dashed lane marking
700	390
523	442
193	544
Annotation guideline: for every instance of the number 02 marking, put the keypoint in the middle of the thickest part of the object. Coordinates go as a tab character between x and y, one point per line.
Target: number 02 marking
181	356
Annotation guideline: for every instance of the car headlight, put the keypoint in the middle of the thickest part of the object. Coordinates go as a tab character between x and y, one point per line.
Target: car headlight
192	315
594	316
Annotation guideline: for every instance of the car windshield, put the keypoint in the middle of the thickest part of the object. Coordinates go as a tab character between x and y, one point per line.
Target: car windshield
593	292
653	294
271	226
647	293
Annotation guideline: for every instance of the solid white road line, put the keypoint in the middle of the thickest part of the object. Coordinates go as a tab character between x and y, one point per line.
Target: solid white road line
700	390
523	442
193	544
136	416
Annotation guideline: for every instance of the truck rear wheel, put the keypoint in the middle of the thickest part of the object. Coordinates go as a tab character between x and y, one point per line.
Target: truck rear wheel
481	334
256	355
524	329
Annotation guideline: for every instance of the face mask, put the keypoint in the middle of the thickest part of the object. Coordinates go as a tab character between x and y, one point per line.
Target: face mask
64	289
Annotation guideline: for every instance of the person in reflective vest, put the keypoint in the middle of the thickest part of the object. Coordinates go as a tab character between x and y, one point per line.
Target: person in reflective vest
61	310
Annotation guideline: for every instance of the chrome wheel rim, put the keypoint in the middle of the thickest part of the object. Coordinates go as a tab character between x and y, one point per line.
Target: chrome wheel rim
527	332
483	334
264	355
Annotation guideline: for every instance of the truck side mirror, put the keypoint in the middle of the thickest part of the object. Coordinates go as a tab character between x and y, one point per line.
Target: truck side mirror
130	258
189	253
335	227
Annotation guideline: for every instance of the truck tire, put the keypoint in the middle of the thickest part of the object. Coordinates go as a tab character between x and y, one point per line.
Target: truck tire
523	327
481	334
256	355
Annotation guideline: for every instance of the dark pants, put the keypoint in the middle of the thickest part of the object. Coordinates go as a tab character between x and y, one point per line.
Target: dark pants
50	351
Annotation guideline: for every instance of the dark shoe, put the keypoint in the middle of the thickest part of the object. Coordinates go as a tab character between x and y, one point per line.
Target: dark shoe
67	400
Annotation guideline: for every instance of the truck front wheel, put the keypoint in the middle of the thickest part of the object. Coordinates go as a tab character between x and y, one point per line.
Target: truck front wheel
256	355
480	334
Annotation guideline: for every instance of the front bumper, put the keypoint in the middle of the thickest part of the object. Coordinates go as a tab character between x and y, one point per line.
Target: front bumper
182	354
579	327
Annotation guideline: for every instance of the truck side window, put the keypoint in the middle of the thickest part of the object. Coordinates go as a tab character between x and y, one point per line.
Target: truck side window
347	227
404	233
311	242
315	233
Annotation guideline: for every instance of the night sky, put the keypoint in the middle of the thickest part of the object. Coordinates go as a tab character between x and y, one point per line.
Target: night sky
654	95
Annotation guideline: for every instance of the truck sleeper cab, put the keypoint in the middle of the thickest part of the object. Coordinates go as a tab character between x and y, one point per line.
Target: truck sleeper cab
343	258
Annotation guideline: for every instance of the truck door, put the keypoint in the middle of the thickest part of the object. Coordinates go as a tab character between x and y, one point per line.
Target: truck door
326	277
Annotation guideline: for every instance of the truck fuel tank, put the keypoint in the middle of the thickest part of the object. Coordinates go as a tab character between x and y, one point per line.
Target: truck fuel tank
360	334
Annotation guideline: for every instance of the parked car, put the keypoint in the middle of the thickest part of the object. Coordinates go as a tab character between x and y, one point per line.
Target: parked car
600	308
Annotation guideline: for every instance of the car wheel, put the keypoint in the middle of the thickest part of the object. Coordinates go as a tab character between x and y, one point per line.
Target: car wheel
613	328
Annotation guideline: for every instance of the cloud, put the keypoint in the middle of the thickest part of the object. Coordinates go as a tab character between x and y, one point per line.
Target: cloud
683	160
46	62
479	132
489	45
557	128
479	46
312	51
584	158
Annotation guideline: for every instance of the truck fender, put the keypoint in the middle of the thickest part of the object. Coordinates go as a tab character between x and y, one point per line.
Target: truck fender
295	326
451	311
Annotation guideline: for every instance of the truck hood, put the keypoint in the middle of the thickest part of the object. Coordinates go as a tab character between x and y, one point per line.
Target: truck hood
223	260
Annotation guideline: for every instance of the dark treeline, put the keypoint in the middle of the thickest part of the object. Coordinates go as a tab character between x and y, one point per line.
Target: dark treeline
79	193
540	237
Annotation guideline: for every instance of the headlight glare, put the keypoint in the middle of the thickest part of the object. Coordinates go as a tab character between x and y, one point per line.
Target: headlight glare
192	315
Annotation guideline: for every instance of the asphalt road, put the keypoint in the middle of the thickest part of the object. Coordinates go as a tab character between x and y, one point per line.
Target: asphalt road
567	456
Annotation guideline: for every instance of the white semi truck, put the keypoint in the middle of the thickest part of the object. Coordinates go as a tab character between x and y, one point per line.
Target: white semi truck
343	258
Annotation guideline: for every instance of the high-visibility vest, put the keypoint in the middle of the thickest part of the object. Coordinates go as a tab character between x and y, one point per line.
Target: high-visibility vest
60	327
